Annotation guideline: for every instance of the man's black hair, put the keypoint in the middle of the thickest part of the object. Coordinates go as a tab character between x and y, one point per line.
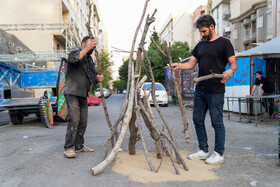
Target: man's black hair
259	72
85	39
205	21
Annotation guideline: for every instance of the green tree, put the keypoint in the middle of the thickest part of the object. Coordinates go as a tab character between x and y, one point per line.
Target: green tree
119	84
179	51
123	71
106	64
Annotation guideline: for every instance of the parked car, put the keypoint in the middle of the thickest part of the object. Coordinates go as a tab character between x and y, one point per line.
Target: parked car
124	92
106	92
160	92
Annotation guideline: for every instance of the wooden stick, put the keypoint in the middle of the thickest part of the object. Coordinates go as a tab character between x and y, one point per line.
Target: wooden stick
99	73
155	101
162	156
144	143
182	108
153	133
97	169
207	77
128	113
133	45
159	133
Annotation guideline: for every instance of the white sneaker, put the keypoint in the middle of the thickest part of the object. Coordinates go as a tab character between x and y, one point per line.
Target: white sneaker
215	158
199	155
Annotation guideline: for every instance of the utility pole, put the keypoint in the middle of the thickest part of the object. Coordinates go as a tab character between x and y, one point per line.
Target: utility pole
209	7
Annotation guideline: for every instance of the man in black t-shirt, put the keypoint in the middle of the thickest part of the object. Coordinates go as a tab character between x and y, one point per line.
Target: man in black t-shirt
268	89
212	55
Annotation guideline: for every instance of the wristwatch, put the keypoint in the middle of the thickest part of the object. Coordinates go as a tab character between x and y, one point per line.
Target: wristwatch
233	70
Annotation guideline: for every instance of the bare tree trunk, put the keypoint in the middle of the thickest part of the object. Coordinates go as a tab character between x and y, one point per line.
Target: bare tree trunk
133	134
182	108
131	90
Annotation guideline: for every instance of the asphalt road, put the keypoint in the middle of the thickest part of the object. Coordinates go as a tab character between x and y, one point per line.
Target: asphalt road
32	155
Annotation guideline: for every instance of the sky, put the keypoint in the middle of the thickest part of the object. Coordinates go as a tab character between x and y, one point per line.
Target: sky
121	17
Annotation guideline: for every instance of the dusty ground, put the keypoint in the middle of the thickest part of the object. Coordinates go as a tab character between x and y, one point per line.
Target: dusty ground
31	155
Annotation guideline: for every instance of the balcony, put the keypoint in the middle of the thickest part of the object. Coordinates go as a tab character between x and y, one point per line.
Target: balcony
253	17
253	37
226	31
225	1
226	14
246	21
246	39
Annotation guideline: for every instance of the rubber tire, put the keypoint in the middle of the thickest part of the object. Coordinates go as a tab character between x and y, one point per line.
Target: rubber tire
38	114
16	119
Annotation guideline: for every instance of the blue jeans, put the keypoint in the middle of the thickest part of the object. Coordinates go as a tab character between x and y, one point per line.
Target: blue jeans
214	102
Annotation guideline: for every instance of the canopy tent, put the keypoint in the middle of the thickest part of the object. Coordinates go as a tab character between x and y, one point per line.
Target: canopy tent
270	49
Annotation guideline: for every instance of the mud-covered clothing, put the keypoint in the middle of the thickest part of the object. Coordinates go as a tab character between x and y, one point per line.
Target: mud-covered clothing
77	121
81	74
78	81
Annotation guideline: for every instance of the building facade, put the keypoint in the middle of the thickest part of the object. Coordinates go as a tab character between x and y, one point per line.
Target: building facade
249	25
199	11
50	25
221	11
177	28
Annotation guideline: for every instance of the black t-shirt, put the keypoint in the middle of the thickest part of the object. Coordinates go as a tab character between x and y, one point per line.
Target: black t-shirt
212	56
267	86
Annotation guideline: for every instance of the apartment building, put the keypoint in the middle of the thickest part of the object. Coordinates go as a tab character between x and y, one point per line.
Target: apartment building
249	25
177	28
50	25
199	11
221	11
273	18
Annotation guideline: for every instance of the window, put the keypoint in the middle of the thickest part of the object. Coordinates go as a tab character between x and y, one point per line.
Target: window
269	24
260	21
148	86
235	34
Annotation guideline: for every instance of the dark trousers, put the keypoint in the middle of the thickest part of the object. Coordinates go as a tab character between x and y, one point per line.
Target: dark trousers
214	102
268	103
77	121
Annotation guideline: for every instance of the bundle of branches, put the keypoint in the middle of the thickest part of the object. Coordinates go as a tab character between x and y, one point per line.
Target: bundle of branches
136	108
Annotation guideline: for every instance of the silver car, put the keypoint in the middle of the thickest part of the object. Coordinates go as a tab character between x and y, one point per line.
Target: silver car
106	92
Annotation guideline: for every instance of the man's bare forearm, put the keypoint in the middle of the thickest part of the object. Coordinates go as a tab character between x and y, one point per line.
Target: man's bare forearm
83	52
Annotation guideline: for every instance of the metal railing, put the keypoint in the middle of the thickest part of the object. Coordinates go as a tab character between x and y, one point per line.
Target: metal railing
256	100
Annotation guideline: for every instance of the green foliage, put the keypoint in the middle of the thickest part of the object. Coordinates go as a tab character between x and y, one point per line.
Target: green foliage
123	71
179	50
119	84
106	64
